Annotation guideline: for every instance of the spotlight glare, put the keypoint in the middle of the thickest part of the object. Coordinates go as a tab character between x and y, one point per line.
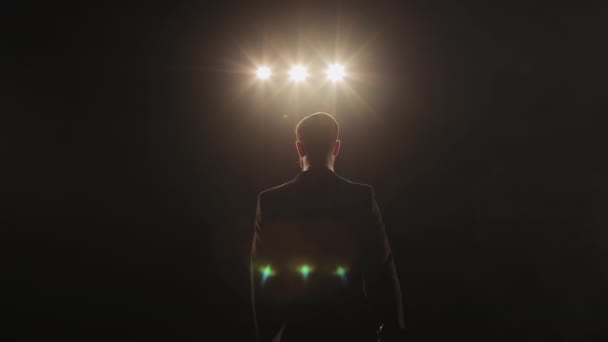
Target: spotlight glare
305	270
263	72
335	72
341	272
298	73
267	272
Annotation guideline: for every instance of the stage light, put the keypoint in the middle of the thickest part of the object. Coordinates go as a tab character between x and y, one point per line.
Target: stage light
298	73
335	72
267	272
263	72
305	270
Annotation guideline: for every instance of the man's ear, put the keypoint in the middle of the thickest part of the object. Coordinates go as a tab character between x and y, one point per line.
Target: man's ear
300	148
336	148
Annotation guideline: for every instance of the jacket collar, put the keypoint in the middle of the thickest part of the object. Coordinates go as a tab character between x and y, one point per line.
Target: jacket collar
317	173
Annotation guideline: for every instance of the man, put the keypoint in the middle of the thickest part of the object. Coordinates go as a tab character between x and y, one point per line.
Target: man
321	265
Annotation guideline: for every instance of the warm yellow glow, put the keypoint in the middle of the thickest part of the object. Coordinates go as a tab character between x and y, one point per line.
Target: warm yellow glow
298	73
263	72
335	72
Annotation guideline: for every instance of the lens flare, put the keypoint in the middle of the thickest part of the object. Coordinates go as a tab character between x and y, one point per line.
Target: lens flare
263	72
341	272
305	270
267	272
298	73
335	72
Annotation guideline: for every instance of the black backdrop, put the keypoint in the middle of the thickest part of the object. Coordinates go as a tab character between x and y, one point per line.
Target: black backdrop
134	144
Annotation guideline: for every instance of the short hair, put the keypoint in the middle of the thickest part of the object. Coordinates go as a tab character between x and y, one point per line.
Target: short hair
317	132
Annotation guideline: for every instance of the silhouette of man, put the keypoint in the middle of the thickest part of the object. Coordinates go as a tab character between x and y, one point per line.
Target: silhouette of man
321	264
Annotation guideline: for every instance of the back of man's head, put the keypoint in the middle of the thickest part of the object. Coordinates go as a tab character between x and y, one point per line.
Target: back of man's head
318	133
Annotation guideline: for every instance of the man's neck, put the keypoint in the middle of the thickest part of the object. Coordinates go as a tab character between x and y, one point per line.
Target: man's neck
307	167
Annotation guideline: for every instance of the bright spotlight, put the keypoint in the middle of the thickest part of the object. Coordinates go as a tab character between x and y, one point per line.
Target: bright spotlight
298	73
335	72
263	72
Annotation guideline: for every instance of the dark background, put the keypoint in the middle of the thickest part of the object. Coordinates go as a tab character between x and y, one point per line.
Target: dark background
135	141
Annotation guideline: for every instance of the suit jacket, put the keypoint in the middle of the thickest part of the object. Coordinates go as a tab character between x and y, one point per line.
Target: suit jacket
321	264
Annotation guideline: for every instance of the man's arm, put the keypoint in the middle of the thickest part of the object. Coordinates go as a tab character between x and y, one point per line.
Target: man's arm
380	275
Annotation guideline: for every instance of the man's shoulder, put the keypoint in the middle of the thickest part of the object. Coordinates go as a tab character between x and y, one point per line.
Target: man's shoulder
344	185
355	186
277	190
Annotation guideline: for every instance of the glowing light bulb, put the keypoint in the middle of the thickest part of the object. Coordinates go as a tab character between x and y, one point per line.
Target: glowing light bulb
263	72
335	72
298	73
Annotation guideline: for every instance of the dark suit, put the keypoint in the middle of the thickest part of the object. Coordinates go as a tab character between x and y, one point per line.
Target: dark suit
321	264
